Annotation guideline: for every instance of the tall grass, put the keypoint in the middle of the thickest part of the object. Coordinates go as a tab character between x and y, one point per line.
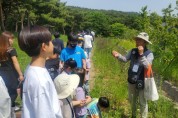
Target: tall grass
111	81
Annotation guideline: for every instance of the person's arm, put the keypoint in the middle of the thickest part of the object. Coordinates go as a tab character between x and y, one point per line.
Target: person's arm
61	64
121	57
79	102
61	57
91	38
88	99
84	63
83	59
17	67
146	61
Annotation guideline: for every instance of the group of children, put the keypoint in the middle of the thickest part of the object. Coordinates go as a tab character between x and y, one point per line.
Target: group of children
65	95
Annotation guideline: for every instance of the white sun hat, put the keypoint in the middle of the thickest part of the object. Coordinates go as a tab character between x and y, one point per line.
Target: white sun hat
66	84
143	36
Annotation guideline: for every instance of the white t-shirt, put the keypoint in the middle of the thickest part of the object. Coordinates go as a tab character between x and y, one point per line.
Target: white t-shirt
5	101
39	95
93	33
88	41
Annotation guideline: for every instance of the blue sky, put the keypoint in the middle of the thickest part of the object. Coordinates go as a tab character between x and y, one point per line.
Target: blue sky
123	5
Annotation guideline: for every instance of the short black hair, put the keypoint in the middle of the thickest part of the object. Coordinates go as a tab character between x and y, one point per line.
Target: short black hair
56	34
72	37
30	39
88	31
70	63
103	102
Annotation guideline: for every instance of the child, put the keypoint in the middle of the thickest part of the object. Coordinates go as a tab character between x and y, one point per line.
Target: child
95	107
88	66
66	83
39	94
78	95
5	104
52	64
87	76
81	93
9	67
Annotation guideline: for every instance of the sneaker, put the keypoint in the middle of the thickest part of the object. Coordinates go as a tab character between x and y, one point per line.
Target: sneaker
16	109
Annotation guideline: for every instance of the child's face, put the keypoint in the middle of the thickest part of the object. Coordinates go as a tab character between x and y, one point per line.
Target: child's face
103	109
49	49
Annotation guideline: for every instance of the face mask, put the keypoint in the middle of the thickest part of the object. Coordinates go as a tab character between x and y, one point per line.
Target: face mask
73	45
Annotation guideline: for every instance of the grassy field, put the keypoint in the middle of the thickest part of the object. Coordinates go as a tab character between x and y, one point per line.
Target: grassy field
111	81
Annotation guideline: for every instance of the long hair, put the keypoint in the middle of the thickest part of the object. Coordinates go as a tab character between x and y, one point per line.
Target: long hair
4	44
8	34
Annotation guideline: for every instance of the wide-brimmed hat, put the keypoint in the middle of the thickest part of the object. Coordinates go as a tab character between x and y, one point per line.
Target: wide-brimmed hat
66	84
143	36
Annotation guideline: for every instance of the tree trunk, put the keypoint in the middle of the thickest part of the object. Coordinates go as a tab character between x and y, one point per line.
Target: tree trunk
2	17
16	26
63	30
22	19
28	19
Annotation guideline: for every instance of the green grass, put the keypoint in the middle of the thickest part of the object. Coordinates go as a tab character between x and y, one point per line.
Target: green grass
110	78
111	81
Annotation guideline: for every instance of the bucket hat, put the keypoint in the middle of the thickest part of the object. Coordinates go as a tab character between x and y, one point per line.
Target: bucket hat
66	84
144	36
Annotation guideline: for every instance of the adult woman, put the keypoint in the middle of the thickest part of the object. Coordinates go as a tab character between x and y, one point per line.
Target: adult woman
140	58
9	67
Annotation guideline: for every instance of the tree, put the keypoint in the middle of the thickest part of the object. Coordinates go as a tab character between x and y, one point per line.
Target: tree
118	29
2	15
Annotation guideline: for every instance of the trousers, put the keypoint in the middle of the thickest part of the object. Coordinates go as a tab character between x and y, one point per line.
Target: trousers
137	95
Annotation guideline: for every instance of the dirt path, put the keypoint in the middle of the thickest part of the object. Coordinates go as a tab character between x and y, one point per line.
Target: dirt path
92	73
18	114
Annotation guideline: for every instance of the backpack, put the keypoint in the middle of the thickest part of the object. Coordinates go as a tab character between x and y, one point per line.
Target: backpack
52	65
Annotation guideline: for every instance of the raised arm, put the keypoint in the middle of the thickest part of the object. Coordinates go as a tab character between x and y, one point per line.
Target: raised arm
121	57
